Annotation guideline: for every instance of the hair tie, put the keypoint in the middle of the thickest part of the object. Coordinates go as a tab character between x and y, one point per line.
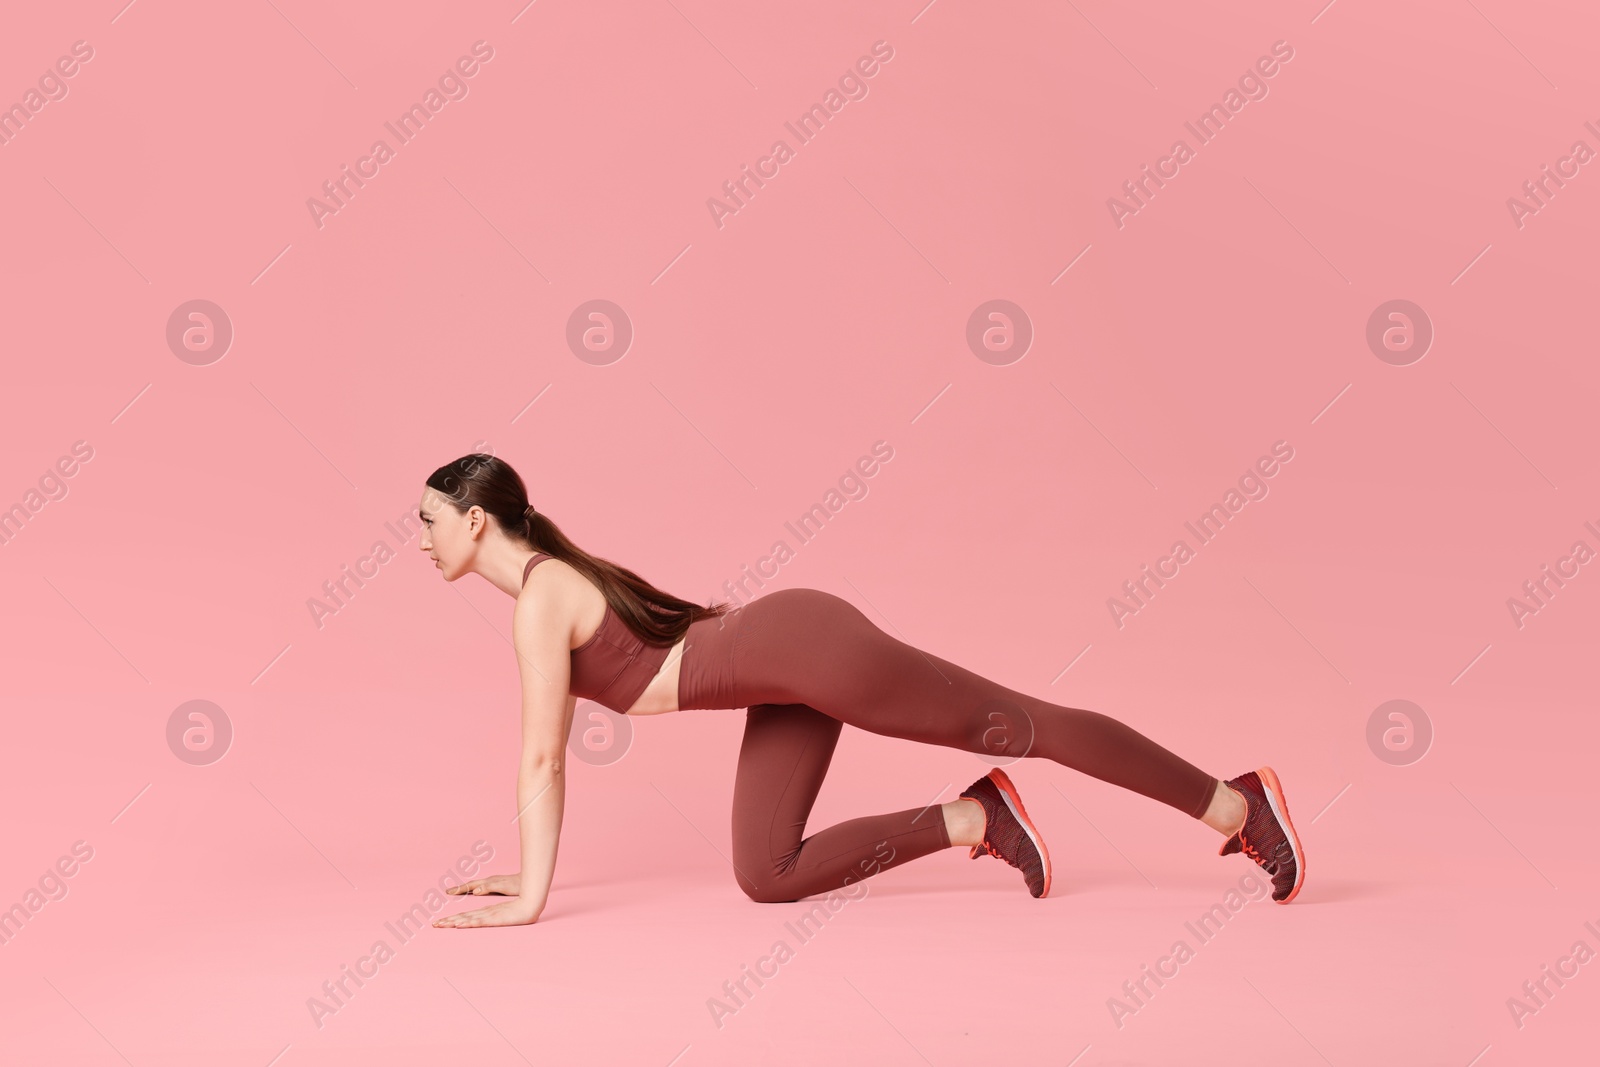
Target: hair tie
528	512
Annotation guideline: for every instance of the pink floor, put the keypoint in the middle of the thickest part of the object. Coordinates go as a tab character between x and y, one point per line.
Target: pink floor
213	911
1362	312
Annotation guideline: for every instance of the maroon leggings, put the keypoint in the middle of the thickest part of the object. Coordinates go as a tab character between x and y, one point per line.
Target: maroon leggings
805	662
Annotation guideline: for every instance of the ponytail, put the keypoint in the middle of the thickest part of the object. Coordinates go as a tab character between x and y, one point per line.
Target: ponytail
490	483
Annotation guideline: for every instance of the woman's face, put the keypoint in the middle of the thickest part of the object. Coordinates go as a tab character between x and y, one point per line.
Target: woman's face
447	533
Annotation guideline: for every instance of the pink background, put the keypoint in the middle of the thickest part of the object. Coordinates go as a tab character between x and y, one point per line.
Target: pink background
429	316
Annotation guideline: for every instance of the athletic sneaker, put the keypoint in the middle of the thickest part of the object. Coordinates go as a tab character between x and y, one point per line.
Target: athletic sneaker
1008	833
1267	835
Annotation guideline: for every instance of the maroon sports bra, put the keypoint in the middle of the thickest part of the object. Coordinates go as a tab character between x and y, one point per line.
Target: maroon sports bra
614	666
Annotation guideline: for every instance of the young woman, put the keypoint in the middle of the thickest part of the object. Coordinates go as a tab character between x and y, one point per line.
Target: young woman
804	663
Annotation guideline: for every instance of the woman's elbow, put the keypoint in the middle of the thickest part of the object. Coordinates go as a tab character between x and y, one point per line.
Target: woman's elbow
540	765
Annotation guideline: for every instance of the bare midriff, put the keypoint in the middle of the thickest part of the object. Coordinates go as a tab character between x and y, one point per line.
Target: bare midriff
661	695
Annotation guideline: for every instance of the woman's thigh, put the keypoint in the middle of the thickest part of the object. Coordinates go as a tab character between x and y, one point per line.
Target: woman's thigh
782	761
806	646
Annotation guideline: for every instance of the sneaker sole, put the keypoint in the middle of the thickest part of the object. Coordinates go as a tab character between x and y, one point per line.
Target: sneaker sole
1280	808
1013	799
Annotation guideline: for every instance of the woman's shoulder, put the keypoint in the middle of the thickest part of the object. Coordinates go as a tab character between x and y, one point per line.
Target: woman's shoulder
556	591
554	578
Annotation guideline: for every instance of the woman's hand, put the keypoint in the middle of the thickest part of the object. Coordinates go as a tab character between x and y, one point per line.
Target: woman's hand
507	885
515	912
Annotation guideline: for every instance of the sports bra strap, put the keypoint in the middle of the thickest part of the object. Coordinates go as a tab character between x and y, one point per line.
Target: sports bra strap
538	557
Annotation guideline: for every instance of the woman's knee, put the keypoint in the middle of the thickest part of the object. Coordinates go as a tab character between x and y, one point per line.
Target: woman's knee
1001	729
759	874
765	888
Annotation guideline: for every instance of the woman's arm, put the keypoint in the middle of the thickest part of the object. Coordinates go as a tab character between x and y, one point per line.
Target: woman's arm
541	630
542	790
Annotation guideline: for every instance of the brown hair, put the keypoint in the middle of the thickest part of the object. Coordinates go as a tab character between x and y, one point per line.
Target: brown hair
490	483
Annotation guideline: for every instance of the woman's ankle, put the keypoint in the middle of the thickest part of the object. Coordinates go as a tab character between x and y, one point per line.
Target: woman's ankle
963	821
1225	814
